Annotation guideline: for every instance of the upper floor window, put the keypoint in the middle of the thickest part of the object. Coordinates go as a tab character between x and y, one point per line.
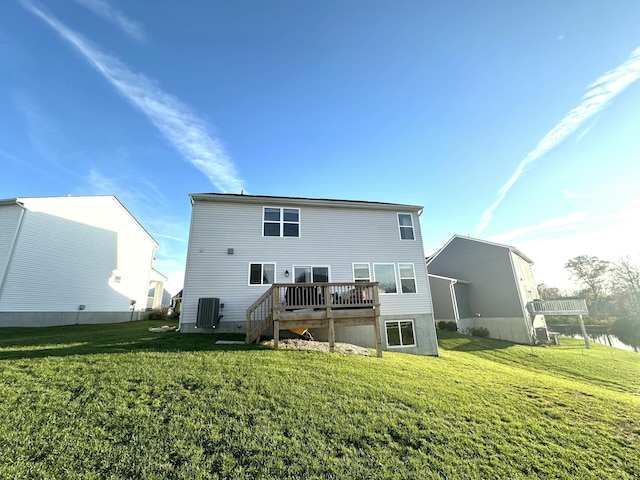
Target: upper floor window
405	222
281	222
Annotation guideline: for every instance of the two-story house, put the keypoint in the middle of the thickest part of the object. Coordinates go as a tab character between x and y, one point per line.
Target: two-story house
261	264
68	260
482	284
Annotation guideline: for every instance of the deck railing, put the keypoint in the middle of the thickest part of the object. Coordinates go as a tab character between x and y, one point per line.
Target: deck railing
259	316
284	298
560	306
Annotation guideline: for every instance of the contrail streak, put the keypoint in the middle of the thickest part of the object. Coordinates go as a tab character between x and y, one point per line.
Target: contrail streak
185	131
598	95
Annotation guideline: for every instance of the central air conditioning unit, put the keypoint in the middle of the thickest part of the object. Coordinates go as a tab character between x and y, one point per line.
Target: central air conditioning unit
208	312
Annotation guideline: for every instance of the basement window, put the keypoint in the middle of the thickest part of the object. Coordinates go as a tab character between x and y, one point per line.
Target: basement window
400	333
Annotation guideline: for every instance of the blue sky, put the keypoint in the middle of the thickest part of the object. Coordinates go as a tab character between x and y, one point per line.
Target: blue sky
514	122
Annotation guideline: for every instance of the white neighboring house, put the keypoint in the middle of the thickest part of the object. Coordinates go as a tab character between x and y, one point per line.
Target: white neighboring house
67	260
482	284
242	245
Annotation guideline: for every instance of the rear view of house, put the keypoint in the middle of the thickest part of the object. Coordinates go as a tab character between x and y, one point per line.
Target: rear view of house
302	260
480	284
67	260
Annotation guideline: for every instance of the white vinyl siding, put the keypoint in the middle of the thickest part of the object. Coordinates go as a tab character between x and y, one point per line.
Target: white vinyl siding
69	253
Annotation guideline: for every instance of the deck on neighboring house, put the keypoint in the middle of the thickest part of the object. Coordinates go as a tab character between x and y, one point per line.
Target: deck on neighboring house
287	306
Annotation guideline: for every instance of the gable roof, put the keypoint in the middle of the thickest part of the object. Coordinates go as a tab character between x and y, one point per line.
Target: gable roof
275	200
23	202
486	242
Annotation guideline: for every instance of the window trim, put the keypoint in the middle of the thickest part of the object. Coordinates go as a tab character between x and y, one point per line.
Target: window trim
400	277
262	264
395	277
400	227
398	322
353	272
281	223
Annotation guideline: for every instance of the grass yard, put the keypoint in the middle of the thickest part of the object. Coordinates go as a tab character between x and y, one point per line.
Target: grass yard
117	401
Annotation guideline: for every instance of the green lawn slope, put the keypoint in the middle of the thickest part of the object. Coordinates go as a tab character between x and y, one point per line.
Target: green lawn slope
117	401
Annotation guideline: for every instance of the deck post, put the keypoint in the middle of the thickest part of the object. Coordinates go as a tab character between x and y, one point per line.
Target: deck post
332	335
276	333
376	330
584	332
376	324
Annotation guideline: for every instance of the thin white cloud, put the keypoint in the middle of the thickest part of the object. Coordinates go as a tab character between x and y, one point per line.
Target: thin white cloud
178	124
553	225
599	93
112	15
568	194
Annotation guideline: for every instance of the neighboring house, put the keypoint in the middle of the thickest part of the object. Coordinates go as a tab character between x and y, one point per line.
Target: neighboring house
67	260
484	284
314	253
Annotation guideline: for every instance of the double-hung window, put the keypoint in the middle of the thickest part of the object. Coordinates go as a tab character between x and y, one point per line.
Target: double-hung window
385	275
405	223
281	222
361	272
262	273
407	278
400	333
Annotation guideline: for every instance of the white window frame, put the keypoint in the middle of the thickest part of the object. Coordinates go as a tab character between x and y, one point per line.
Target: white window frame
415	283
262	264
398	322
395	277
353	272
281	223
400	227
293	273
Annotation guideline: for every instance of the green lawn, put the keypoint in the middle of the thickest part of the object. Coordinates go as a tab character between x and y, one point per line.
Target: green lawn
117	401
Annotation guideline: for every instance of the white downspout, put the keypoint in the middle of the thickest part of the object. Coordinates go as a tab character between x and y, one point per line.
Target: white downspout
5	274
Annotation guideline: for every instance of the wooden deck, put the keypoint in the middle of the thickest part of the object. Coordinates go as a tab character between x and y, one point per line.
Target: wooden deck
315	305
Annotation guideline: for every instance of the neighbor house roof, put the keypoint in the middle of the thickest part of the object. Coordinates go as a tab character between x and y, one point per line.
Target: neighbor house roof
23	201
262	199
463	237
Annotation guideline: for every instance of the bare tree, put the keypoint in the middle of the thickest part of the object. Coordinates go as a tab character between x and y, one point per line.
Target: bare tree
593	274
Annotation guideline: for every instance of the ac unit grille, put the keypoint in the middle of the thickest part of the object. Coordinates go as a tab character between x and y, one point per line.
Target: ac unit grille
208	312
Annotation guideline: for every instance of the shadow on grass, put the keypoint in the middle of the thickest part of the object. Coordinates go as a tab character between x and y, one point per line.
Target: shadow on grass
465	343
26	343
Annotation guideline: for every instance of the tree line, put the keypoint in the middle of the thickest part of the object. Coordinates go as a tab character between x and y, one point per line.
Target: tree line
611	291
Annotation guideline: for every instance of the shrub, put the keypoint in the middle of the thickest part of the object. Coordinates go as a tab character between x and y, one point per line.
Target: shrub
451	326
442	325
157	315
479	332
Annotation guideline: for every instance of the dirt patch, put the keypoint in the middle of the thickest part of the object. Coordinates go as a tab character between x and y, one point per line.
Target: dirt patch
298	344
